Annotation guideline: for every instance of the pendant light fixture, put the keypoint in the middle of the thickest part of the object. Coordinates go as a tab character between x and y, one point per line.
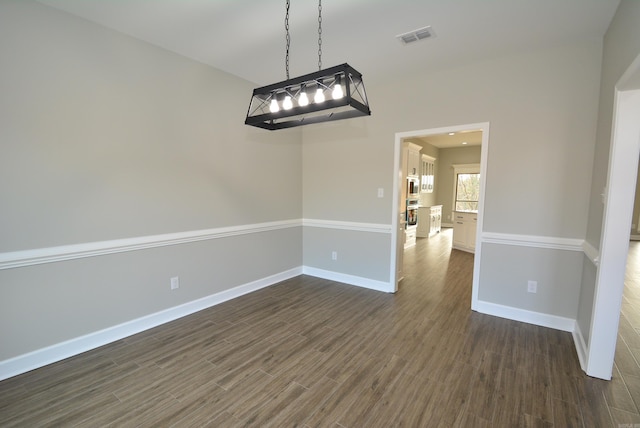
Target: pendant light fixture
325	95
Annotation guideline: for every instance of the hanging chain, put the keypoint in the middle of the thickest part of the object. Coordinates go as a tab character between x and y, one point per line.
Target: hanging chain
286	26
319	34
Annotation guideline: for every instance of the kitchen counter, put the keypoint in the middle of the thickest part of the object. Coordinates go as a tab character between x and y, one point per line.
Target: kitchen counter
429	220
464	230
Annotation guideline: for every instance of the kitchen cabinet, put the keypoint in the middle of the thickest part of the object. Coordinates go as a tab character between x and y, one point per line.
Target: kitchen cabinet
412	152
464	230
429	221
410	236
410	173
428	174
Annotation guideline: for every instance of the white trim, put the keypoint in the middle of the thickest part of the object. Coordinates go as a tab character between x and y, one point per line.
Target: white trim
23	258
396	203
581	348
616	220
38	256
591	253
553	242
60	351
550	242
484	158
471	168
347	225
358	281
397	223
523	315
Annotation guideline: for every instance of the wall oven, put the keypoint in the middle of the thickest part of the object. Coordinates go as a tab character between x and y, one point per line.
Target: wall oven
412	212
413	187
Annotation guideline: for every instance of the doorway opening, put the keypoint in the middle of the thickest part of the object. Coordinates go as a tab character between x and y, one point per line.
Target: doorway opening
400	203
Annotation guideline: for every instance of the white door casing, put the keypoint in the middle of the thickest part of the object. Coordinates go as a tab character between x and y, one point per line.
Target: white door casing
396	203
618	210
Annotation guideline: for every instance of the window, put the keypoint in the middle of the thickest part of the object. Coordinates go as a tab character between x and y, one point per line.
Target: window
467	192
466	187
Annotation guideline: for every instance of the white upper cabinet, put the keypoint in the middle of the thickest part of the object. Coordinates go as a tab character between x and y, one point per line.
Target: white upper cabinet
413	159
428	174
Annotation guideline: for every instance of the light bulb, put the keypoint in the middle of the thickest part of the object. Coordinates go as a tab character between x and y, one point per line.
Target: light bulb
319	97
287	104
303	100
337	91
274	107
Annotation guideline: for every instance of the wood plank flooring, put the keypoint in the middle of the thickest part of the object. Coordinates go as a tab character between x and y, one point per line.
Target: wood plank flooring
315	353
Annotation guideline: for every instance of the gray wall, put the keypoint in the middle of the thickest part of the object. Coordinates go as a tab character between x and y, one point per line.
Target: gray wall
448	158
585	304
621	47
636	207
506	270
542	108
105	137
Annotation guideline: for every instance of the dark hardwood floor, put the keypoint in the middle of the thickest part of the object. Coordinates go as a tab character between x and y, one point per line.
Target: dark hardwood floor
311	352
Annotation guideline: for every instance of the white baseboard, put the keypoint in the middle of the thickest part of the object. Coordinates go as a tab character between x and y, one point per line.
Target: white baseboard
523	315
581	347
635	238
60	351
69	348
358	281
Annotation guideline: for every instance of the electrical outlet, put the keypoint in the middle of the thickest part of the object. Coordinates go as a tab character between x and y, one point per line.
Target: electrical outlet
532	286
380	192
175	282
334	255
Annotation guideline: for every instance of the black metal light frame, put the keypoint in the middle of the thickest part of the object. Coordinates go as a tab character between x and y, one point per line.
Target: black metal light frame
352	104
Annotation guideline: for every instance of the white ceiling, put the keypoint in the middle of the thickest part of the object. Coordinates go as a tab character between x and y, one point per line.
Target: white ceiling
247	37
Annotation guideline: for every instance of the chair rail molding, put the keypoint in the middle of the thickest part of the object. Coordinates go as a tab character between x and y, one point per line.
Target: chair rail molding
14	259
535	241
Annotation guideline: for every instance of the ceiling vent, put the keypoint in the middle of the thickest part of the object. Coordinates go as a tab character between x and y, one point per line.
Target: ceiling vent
416	35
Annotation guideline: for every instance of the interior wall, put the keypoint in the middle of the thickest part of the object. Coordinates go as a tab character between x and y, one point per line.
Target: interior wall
636	210
585	304
540	155
105	137
448	158
621	46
